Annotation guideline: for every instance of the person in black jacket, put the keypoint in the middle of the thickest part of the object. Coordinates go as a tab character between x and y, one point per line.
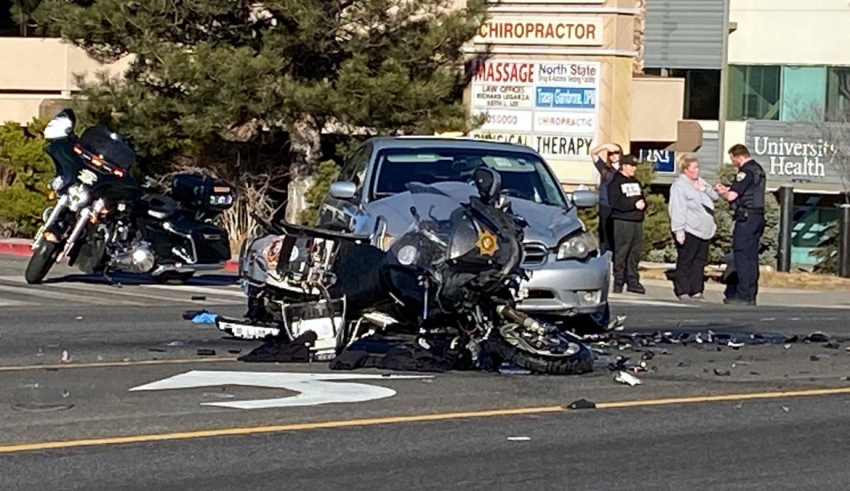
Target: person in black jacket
628	205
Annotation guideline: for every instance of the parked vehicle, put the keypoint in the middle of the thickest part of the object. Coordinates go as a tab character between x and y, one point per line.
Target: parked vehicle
569	277
104	220
452	276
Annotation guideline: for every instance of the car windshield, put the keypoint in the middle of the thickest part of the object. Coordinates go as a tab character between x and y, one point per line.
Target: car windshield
524	176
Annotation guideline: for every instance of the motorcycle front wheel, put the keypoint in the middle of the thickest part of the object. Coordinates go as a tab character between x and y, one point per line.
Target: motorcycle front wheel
41	261
552	364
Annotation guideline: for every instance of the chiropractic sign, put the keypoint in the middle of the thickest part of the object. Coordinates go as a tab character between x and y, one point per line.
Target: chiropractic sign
549	106
550	31
795	153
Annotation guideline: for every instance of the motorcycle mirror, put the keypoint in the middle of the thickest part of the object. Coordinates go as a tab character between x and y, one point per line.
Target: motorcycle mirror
585	199
343	190
488	182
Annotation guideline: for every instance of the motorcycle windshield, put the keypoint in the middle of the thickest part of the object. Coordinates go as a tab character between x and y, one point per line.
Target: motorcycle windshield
101	141
442	227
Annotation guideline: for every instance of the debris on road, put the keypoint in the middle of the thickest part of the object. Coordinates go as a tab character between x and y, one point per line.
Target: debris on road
519	439
509	369
65	357
723	373
817	337
206	352
157	350
832	344
174	344
234	351
199	298
627	378
582	404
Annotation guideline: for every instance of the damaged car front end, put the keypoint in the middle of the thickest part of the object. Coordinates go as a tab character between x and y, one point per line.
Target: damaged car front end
450	281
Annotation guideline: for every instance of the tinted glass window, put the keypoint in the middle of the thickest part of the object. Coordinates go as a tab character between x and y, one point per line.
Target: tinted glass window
524	176
754	92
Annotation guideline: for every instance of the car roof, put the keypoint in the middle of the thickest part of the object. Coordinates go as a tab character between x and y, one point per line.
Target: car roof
415	142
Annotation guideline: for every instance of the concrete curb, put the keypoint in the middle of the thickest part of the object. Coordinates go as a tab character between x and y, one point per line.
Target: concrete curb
21	248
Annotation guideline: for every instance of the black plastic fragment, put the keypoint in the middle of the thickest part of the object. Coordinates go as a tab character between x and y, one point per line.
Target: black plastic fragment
582	404
206	352
199	297
724	373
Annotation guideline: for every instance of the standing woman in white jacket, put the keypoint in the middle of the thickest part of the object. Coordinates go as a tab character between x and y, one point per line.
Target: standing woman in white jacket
691	211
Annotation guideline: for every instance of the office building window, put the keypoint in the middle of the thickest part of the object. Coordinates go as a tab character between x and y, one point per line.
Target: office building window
702	91
838	94
803	93
754	92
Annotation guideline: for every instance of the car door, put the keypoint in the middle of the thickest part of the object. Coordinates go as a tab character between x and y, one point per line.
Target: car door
344	215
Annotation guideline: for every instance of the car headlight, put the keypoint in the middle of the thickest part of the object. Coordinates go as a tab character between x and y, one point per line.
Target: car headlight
578	247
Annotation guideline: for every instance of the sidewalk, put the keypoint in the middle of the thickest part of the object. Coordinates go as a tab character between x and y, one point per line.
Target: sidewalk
660	290
21	248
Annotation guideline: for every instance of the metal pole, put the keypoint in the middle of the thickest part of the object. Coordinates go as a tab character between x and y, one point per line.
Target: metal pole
724	87
844	241
786	213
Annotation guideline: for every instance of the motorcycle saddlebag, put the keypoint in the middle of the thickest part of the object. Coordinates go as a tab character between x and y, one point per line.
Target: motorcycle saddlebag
202	193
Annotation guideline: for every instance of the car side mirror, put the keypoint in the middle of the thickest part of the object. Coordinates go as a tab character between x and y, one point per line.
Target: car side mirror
585	199
343	190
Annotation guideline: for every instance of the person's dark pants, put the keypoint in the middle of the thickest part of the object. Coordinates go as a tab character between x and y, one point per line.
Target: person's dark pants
746	242
605	229
690	266
628	240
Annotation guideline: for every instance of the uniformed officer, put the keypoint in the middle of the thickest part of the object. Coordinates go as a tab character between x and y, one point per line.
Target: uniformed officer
747	197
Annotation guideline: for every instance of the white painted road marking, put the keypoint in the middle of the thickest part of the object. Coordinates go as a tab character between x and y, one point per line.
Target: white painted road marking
313	388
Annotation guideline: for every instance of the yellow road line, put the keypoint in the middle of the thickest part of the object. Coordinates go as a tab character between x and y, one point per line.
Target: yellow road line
273	429
187	435
106	364
723	397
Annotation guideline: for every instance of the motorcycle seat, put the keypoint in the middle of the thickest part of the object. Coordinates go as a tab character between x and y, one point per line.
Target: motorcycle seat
161	206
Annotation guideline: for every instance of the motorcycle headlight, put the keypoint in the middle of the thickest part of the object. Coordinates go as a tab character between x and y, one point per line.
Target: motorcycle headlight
578	247
407	255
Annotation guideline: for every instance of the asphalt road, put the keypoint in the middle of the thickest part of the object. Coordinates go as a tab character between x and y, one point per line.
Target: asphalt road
702	419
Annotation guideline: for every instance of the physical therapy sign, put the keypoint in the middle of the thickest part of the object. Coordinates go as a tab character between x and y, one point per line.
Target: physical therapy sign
549	106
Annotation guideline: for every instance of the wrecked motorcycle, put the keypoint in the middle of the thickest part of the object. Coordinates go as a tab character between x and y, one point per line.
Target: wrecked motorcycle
453	275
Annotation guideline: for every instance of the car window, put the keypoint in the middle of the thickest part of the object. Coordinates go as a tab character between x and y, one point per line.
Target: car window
354	170
524	176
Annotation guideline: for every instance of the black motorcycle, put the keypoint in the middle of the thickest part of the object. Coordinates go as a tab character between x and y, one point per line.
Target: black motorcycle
453	276
104	220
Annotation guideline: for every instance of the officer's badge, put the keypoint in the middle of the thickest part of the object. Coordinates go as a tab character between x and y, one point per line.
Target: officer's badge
487	244
741	176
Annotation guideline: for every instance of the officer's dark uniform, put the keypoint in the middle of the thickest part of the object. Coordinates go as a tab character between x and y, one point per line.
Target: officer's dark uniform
749	226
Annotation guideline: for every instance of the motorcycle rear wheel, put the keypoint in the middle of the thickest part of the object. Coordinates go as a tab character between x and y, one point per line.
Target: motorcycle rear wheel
41	261
575	364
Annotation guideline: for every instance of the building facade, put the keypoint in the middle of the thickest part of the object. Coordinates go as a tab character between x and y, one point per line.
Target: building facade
561	79
778	80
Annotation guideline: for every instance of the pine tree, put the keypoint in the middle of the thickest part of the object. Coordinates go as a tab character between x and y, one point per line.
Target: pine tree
227	70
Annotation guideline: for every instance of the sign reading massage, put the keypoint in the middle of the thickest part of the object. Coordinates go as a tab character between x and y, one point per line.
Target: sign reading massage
793	152
549	106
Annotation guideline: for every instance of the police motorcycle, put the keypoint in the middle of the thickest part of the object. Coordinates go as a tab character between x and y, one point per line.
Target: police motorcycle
104	220
453	275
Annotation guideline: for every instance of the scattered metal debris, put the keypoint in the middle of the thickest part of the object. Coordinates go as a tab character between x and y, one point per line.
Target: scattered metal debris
723	373
519	439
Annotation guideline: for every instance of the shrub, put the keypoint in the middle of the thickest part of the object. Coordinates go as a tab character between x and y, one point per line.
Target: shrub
27	172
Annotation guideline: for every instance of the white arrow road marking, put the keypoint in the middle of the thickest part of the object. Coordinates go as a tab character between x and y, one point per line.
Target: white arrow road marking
313	388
